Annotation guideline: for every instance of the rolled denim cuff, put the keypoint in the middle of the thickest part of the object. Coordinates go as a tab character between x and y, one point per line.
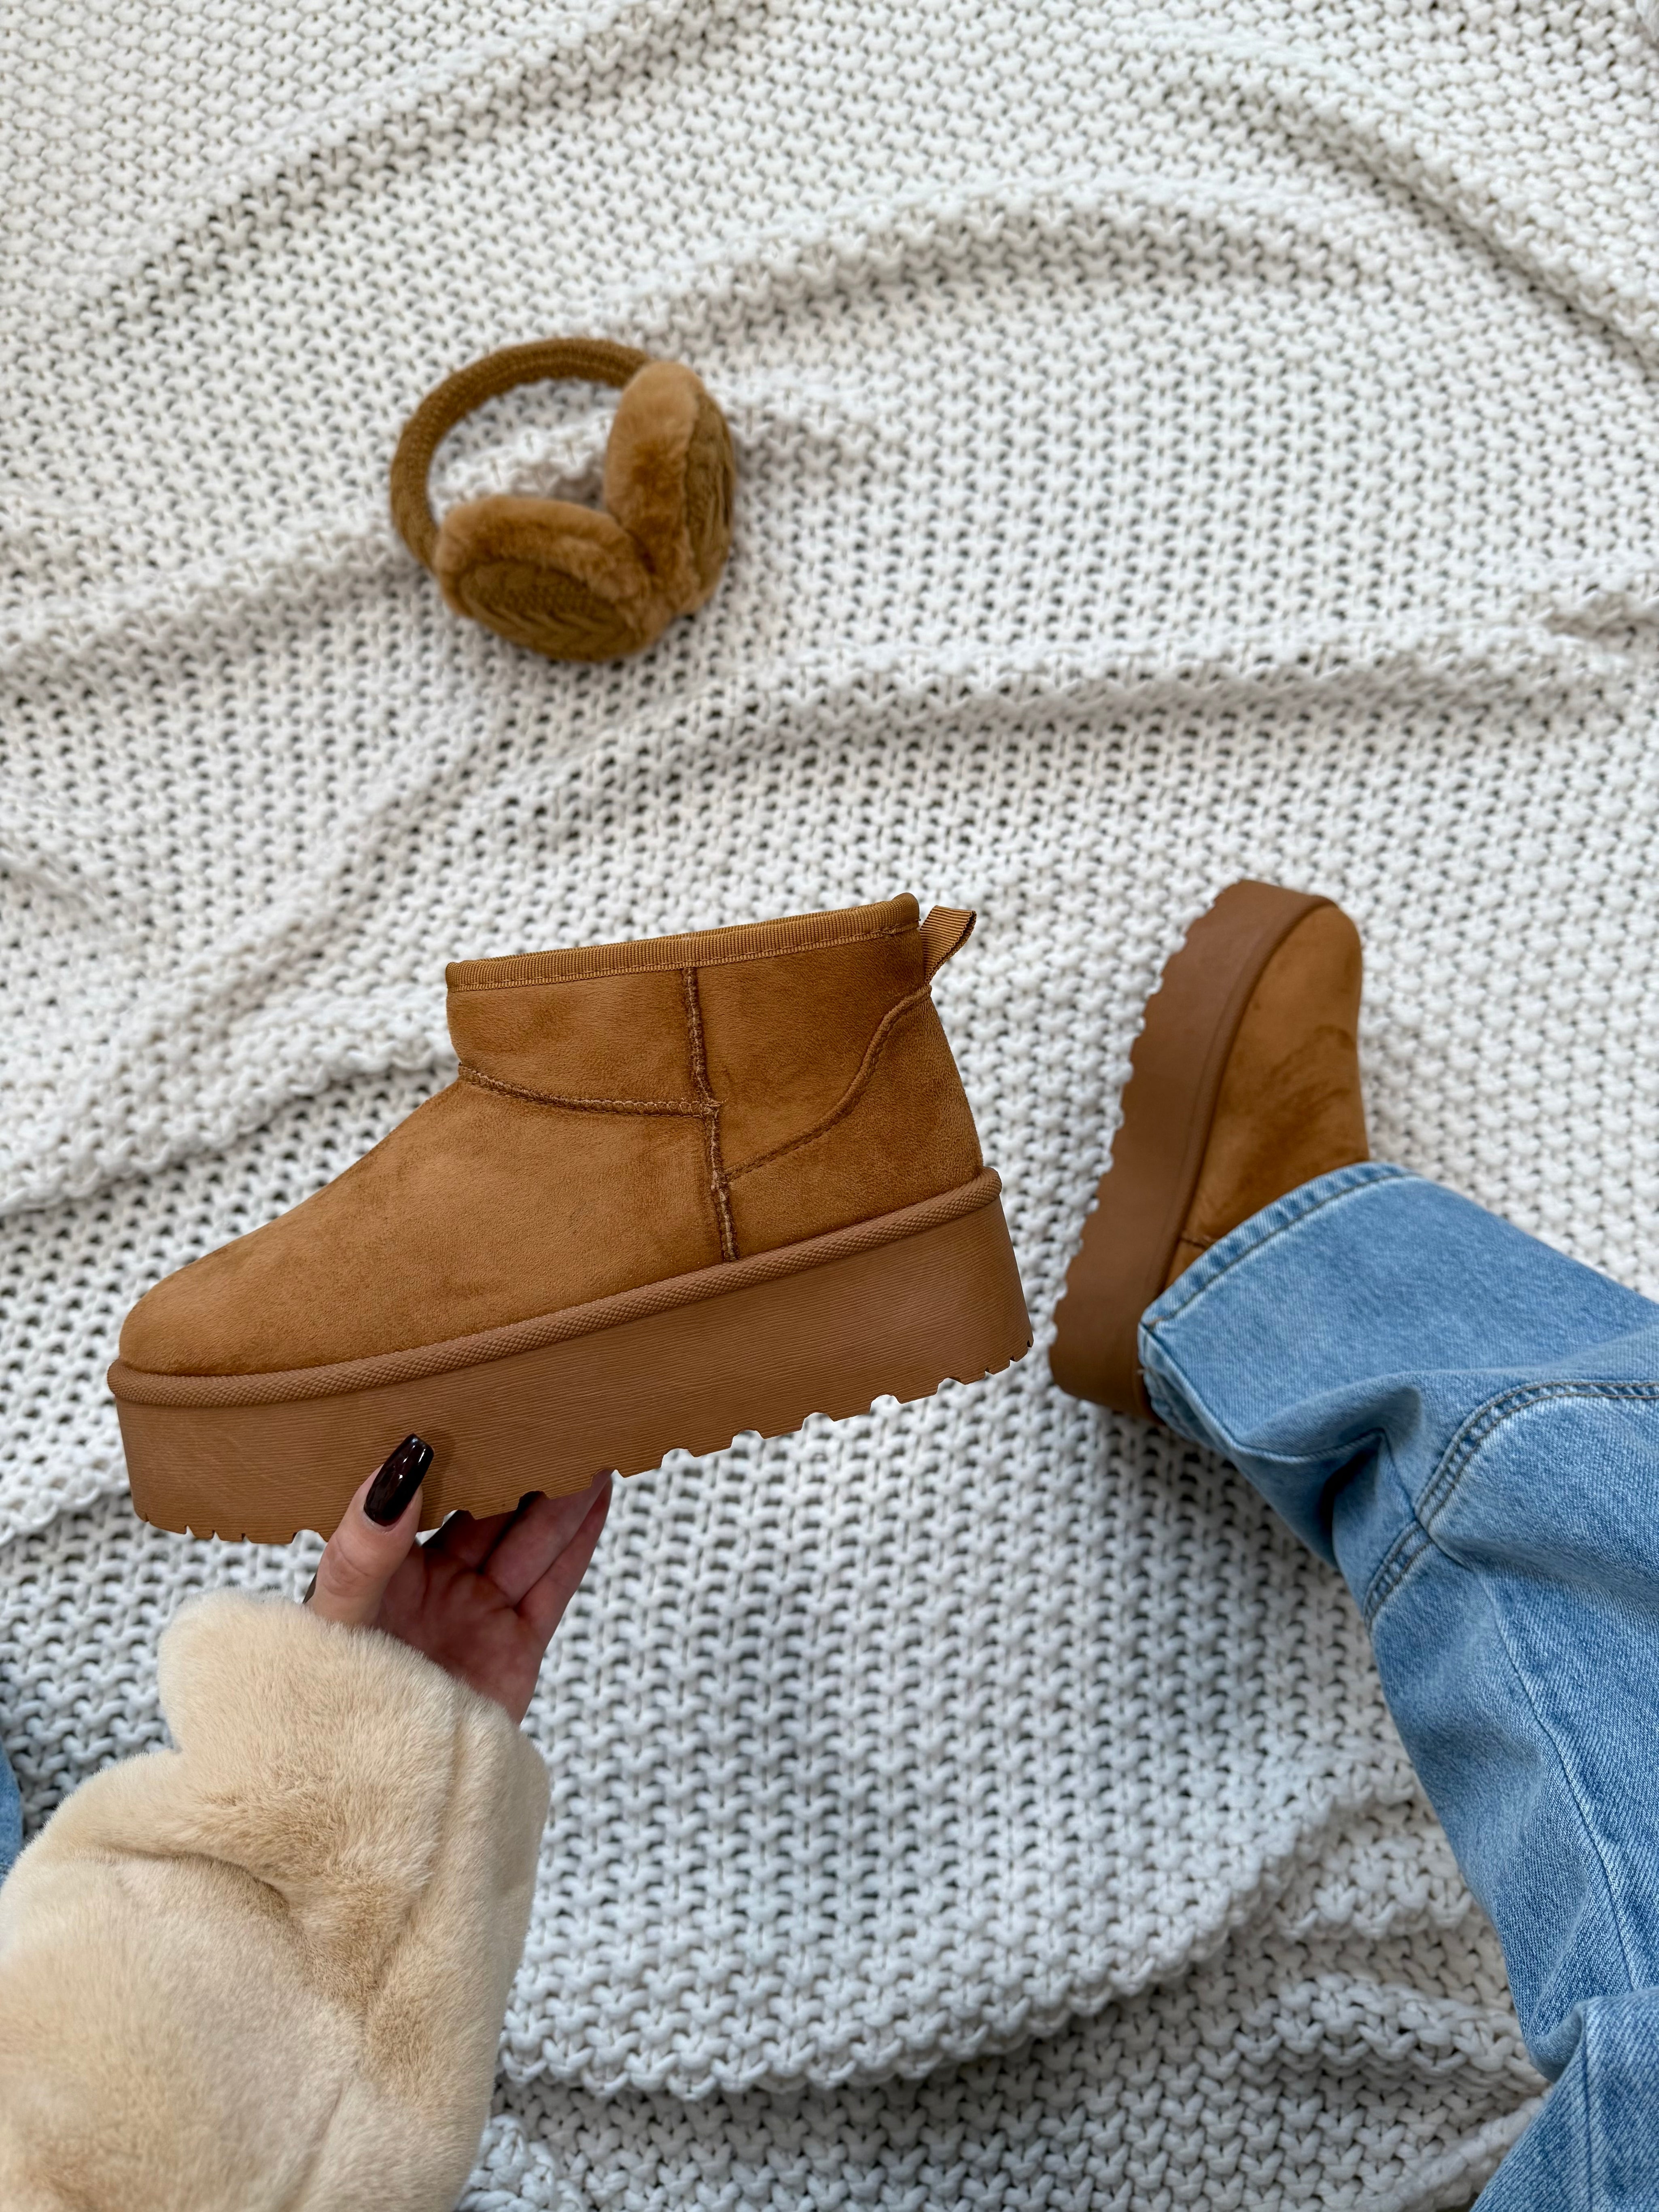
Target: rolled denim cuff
1167	1398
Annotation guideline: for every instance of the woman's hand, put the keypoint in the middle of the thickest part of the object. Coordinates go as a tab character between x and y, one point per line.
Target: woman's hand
483	1598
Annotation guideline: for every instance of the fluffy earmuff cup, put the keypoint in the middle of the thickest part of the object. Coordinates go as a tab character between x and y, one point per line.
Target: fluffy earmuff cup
566	580
670	474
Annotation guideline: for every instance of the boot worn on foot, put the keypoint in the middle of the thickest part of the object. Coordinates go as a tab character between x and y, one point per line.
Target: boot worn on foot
1244	1083
681	1189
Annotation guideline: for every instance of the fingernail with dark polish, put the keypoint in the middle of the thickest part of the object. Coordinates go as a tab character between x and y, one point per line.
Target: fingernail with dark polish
398	1482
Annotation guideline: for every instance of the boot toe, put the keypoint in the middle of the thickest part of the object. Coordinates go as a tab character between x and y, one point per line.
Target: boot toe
209	1319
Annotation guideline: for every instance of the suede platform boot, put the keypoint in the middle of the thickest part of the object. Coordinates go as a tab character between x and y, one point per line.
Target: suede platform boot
1244	1083
681	1188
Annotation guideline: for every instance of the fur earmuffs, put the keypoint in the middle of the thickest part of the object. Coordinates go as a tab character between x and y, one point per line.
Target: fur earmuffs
580	583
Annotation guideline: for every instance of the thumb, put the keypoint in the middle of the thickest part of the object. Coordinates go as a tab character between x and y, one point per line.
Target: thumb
373	1539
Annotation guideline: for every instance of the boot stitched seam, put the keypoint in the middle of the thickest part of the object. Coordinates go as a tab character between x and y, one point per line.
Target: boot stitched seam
693	1109
710	1108
676	958
854	1090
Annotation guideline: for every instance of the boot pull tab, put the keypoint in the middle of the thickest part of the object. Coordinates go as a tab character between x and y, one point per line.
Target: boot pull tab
944	933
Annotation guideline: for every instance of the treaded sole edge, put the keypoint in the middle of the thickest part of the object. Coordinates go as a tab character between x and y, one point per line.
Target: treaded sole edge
896	1319
1176	1068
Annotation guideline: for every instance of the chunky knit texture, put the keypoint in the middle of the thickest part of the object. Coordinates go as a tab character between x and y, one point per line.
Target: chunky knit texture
1347	2040
1174	445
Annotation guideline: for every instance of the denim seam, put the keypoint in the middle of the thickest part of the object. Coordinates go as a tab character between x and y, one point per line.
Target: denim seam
1567	1775
1442	1486
1409	1547
1396	1562
1478	1429
1428	1546
1459	1457
1388	1174
1589	2107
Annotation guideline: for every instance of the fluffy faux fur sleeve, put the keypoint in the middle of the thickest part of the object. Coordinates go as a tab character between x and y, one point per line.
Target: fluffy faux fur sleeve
268	1969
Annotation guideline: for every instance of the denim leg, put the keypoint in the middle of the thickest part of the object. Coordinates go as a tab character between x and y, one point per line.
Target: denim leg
1468	1424
11	1817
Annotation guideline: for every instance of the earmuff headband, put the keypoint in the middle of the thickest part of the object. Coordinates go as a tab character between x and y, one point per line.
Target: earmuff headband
595	361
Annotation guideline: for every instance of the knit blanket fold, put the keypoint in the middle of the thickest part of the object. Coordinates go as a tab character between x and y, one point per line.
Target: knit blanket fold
1172	447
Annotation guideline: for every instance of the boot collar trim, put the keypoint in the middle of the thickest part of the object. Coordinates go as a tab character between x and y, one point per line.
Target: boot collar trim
703	948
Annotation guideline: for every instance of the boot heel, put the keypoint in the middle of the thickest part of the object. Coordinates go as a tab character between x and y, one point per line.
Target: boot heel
1177	1066
893	1307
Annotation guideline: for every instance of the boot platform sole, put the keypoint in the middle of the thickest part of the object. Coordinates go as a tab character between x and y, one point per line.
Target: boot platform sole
890	1307
1176	1070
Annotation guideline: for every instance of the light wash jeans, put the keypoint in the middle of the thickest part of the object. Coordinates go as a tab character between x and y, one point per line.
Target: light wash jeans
1468	1424
11	1818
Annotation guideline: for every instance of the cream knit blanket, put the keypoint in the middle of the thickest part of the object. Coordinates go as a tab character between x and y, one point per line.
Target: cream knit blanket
1174	445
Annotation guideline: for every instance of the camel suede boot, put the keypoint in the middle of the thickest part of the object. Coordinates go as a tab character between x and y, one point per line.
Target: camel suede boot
680	1189
1244	1084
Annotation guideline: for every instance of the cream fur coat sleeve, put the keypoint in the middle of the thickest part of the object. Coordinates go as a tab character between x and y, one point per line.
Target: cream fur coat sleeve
268	1969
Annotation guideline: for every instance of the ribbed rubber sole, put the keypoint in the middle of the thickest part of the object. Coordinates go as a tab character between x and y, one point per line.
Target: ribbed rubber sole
892	1307
1176	1070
